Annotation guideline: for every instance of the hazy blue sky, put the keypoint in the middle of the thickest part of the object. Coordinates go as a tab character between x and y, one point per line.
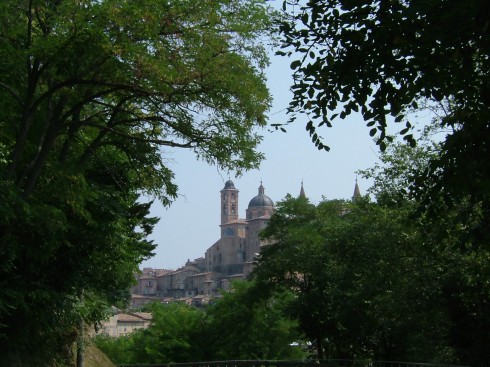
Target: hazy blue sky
191	224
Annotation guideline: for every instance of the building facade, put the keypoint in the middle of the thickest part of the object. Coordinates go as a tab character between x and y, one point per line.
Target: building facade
122	323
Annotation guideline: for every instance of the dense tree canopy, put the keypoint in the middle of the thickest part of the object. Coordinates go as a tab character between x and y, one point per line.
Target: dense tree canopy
250	323
458	243
93	94
385	280
246	323
386	58
360	276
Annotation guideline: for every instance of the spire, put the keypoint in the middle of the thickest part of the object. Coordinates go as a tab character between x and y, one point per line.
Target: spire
261	189
357	192
302	191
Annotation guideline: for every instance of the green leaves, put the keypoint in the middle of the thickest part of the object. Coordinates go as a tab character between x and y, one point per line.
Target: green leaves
93	96
384	58
360	276
295	64
246	323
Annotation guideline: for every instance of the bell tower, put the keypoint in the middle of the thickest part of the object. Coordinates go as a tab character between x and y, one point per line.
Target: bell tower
229	203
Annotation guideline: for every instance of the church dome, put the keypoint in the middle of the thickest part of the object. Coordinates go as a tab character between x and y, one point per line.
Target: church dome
229	185
261	199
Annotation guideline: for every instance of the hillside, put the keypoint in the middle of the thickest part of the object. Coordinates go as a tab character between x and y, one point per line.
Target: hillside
95	358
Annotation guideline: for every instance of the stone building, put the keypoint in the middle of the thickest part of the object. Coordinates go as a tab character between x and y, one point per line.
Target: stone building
125	323
230	257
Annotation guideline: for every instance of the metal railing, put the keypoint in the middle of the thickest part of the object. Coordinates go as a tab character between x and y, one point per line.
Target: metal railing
267	363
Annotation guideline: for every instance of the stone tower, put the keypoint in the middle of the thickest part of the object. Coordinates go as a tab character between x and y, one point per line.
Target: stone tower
229	203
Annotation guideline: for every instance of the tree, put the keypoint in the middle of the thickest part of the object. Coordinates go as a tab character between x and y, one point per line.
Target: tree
246	323
92	96
399	166
119	350
455	242
385	58
249	322
365	286
174	336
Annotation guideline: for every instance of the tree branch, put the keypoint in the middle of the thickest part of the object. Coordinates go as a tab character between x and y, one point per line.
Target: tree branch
169	143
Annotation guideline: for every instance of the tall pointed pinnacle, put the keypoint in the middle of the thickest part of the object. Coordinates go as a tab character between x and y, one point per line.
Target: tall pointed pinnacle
357	192
261	189
302	191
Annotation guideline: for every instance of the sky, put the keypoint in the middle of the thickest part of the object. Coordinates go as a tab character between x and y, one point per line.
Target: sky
191	224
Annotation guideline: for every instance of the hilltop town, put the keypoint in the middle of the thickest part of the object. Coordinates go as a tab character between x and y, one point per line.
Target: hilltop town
231	257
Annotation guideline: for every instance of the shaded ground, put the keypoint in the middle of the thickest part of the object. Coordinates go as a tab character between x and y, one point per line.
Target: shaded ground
95	358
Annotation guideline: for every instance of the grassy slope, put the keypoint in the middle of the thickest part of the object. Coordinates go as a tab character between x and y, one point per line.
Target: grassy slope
95	358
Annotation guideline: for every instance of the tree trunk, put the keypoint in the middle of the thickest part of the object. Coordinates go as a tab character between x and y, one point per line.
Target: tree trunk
80	345
319	349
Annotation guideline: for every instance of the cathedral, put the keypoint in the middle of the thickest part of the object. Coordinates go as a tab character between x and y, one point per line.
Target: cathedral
231	257
234	252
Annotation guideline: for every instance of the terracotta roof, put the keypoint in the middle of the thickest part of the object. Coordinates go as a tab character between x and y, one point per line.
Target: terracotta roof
144	315
238	221
124	317
262	217
199	274
142	297
134	317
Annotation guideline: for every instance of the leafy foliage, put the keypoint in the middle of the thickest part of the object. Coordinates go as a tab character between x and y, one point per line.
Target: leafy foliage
394	176
118	350
384	59
457	242
244	324
366	287
93	95
175	335
250	323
